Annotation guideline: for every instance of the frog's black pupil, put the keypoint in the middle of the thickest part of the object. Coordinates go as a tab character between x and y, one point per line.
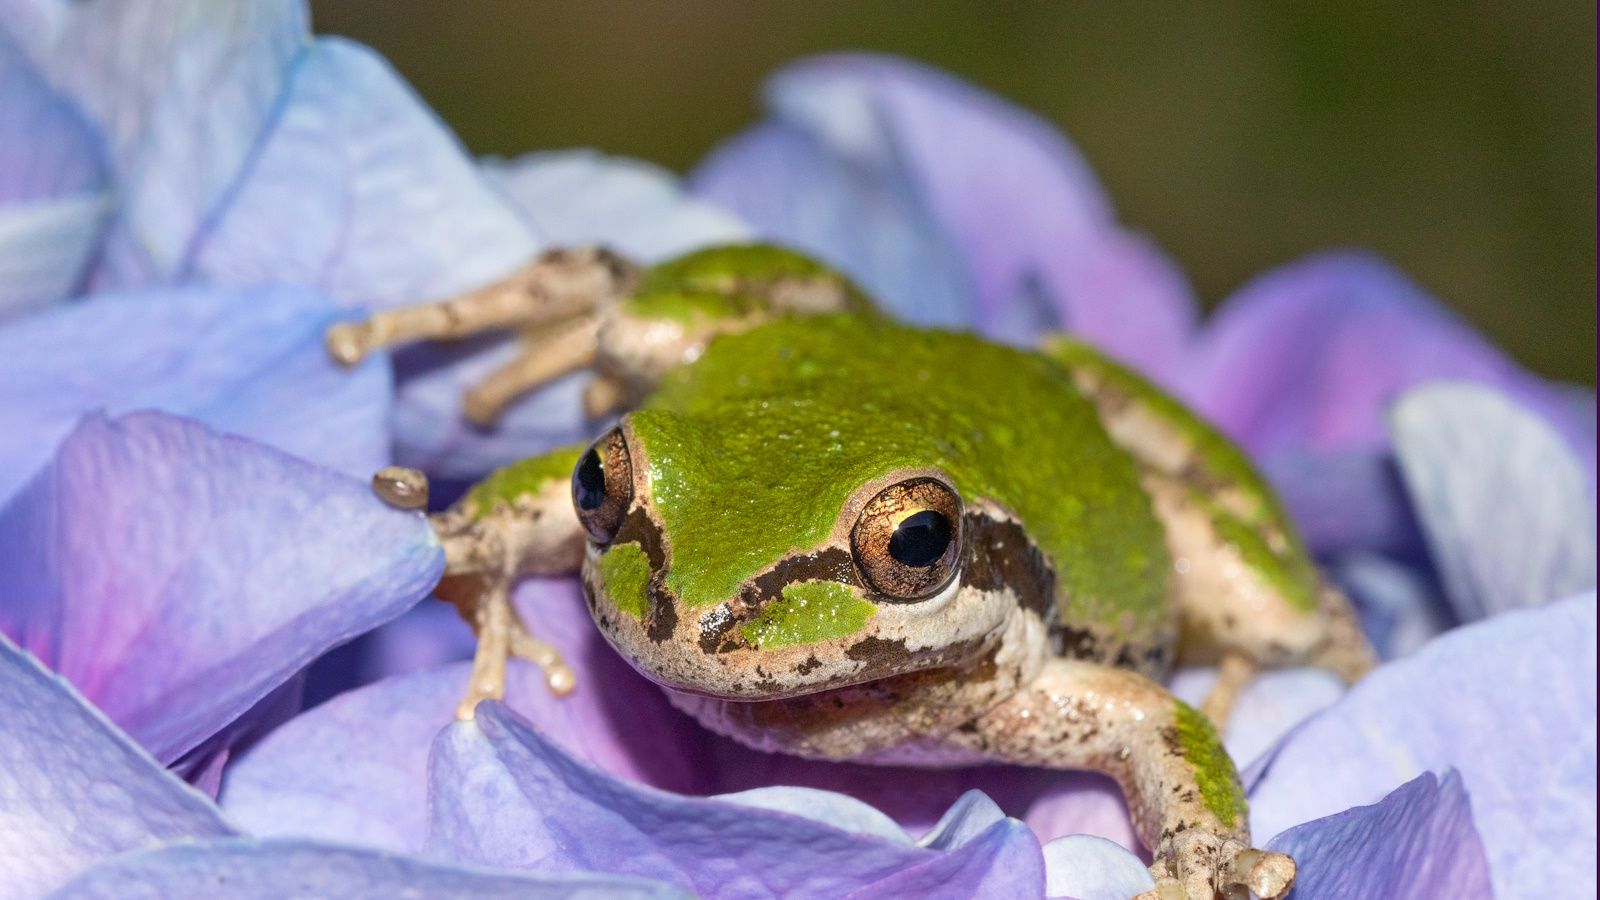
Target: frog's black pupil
921	539
589	481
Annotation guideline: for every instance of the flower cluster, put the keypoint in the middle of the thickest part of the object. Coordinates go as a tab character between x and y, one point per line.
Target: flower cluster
190	193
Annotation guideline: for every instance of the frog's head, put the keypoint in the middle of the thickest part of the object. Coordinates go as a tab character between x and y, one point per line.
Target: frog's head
750	563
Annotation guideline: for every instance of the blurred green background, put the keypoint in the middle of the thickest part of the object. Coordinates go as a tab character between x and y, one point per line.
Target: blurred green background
1457	139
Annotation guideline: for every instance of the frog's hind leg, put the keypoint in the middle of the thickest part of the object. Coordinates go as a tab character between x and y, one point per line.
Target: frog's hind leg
1248	598
556	286
546	354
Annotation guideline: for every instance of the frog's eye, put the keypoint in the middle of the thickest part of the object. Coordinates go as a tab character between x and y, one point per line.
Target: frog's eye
908	539
602	486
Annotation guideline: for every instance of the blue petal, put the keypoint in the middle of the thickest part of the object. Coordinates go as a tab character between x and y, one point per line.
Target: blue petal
827	807
47	148
578	197
248	361
1504	503
887	167
52	181
73	789
1401	607
246	869
1267	708
432	434
1509	702
1086	867
179	92
968	817
357	188
530	806
1418	842
44	250
177	576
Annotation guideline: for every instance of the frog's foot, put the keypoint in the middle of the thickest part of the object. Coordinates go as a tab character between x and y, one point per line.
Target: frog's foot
1197	865
501	634
558	676
556	286
1235	671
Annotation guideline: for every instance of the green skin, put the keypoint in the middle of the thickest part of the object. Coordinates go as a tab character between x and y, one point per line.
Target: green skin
754	454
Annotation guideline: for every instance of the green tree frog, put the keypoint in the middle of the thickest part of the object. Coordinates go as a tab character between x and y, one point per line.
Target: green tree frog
830	534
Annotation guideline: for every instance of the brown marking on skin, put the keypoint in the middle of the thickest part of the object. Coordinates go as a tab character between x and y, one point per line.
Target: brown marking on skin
875	649
1076	643
663	618
639	528
810	665
1001	556
828	564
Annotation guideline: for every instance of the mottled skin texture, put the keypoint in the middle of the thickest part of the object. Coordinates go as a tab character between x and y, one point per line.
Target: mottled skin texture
1100	531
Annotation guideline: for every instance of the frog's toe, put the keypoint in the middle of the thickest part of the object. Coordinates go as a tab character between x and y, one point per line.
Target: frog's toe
1202	866
1266	874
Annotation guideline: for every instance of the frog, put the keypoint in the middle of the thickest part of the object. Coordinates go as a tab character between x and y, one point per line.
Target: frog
828	533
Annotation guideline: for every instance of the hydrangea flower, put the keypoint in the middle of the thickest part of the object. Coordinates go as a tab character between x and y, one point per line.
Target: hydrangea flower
264	180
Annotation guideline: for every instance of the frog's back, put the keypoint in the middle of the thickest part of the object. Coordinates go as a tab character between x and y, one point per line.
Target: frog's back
788	419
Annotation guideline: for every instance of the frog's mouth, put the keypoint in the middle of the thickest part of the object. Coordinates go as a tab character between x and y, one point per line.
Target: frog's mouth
712	652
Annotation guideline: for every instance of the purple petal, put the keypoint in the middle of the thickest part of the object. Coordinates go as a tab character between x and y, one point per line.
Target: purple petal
248	361
872	141
177	576
74	789
1509	702
863	217
246	869
501	795
1505	505
1092	868
1306	358
358	189
1418	843
577	197
179	92
355	768
1346	501
1002	862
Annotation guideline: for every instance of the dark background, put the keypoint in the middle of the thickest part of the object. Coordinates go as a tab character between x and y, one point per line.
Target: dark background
1457	139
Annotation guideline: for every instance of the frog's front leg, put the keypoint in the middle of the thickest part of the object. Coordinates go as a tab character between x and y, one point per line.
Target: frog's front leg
517	523
1181	787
